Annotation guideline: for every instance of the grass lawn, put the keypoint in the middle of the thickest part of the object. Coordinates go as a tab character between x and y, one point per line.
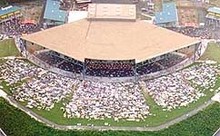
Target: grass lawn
159	116
212	53
204	123
8	48
164	116
6	88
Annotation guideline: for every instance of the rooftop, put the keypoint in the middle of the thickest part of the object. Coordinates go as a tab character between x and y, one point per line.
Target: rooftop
168	13
112	11
8	10
214	10
53	12
110	40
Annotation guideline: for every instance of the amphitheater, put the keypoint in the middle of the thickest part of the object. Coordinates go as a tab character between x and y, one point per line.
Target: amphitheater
107	66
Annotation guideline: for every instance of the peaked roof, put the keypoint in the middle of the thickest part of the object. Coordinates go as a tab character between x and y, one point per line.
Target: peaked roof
110	40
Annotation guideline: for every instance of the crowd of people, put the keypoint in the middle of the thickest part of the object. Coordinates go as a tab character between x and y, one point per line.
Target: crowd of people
49	57
40	89
100	100
15	27
12	71
183	87
60	61
78	5
98	68
160	64
110	69
201	32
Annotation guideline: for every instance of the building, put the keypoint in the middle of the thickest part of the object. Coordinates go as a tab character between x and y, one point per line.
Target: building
112	11
53	15
213	16
168	16
110	38
114	40
9	12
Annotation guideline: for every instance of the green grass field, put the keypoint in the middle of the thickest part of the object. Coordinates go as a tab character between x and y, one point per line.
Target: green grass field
212	53
56	115
16	123
8	48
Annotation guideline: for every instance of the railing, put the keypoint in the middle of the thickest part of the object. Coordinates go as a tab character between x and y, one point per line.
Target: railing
45	65
174	68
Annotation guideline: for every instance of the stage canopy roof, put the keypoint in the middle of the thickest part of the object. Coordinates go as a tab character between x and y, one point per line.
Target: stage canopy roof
110	40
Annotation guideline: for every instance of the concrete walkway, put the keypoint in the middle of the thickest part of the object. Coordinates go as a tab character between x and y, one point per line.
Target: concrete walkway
217	133
101	128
